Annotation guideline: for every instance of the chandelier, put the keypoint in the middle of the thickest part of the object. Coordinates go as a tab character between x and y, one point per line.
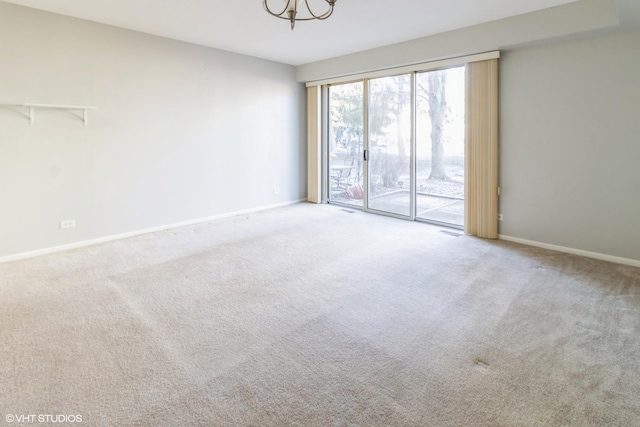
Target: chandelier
292	7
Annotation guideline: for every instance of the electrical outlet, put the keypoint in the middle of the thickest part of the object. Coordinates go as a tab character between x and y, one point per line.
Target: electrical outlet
500	217
70	223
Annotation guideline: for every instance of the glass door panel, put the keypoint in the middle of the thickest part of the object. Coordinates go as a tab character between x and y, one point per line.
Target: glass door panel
389	145
440	136
346	144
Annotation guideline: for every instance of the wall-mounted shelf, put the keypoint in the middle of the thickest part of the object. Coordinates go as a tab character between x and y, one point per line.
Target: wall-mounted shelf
32	108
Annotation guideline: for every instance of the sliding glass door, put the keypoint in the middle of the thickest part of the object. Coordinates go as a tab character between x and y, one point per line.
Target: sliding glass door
389	145
440	145
396	145
346	144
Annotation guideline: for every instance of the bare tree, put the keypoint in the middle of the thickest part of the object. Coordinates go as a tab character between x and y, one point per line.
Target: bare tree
436	96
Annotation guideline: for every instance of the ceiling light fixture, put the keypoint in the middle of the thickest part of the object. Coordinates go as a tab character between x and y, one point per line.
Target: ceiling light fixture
292	7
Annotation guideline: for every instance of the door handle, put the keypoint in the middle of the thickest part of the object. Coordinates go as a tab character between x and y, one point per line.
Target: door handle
365	157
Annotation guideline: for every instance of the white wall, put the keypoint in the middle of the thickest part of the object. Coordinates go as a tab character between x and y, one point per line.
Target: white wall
552	23
182	131
570	144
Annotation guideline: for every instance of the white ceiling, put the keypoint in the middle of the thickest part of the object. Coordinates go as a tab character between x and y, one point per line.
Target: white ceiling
243	26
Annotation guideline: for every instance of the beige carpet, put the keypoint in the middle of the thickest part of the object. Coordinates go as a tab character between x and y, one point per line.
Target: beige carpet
313	316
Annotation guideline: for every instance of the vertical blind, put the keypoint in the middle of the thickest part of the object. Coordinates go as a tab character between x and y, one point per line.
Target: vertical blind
481	163
314	156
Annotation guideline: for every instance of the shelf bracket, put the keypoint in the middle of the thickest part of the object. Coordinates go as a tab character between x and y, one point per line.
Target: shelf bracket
85	114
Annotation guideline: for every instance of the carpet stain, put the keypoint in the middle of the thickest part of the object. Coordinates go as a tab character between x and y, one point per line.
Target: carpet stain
481	365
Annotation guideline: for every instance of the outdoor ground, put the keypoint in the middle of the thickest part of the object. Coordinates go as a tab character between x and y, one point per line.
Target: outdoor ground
437	200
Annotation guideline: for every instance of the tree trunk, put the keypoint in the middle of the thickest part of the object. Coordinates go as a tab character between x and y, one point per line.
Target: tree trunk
437	112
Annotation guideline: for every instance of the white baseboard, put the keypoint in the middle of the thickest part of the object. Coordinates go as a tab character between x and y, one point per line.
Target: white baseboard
595	255
84	243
